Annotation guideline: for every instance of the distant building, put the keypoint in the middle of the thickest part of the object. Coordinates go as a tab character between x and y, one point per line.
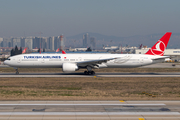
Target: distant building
85	40
173	53
29	42
22	42
44	42
61	42
1	41
36	42
93	43
51	43
77	49
56	42
16	42
7	42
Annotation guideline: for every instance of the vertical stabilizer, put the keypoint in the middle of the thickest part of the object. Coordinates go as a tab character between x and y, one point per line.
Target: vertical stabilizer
160	46
57	50
24	51
63	52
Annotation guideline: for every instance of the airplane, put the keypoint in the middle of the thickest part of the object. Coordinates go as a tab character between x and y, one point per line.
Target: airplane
57	50
24	51
63	52
74	62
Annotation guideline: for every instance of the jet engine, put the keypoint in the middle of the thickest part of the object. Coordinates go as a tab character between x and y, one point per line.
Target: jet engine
69	67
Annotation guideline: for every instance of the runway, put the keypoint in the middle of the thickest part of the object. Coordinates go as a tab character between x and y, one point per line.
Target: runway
108	110
79	74
158	65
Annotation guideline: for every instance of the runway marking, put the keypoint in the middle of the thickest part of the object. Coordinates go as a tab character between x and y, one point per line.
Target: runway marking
141	118
87	104
138	75
89	113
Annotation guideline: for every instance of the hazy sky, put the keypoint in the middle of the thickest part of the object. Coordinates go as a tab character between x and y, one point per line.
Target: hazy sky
70	17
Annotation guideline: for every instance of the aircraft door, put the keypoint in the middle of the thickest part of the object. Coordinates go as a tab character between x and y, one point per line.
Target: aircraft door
80	59
141	60
19	60
43	61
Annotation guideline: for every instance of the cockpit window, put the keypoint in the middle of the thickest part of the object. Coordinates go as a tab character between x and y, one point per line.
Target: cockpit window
8	59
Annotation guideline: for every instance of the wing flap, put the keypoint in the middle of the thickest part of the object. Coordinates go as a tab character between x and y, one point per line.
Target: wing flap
160	57
93	62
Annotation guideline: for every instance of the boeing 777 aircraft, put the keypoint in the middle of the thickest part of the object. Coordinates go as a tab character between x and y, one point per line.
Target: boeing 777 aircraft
74	62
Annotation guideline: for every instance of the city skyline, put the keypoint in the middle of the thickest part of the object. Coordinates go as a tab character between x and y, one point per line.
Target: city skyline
51	43
94	41
121	18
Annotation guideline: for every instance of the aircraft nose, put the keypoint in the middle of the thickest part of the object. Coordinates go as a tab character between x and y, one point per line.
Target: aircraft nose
5	62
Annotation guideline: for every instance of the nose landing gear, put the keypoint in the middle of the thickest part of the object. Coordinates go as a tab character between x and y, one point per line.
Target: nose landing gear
17	72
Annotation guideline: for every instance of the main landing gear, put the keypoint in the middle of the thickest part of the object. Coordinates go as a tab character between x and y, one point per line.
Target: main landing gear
89	72
17	72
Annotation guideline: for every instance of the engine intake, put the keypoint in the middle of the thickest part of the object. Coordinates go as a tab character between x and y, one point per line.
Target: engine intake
69	67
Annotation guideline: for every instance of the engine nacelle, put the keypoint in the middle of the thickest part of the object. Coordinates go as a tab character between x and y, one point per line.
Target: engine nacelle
69	67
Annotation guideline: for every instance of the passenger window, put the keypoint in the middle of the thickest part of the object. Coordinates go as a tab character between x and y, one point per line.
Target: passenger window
66	59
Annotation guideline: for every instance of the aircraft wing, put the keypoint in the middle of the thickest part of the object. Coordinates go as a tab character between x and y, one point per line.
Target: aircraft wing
161	57
93	62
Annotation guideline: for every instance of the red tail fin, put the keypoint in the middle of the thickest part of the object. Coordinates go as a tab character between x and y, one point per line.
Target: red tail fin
57	50
63	52
160	46
24	50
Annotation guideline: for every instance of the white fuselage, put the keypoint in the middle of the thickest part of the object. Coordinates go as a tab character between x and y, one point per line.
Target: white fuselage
57	60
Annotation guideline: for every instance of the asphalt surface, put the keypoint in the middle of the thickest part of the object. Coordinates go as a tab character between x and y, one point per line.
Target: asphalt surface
156	74
158	65
106	110
120	110
79	74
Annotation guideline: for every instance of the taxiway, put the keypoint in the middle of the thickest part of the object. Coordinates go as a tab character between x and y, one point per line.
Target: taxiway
80	74
120	110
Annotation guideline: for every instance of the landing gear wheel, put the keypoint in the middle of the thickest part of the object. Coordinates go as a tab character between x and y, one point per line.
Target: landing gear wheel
85	72
89	72
92	72
17	72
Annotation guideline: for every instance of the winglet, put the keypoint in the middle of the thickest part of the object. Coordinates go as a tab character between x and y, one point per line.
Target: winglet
160	46
63	52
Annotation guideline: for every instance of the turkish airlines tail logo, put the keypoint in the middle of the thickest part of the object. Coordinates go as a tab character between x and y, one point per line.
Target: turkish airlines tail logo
160	46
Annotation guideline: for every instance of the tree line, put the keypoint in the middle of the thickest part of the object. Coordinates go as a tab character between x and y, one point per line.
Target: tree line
16	51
